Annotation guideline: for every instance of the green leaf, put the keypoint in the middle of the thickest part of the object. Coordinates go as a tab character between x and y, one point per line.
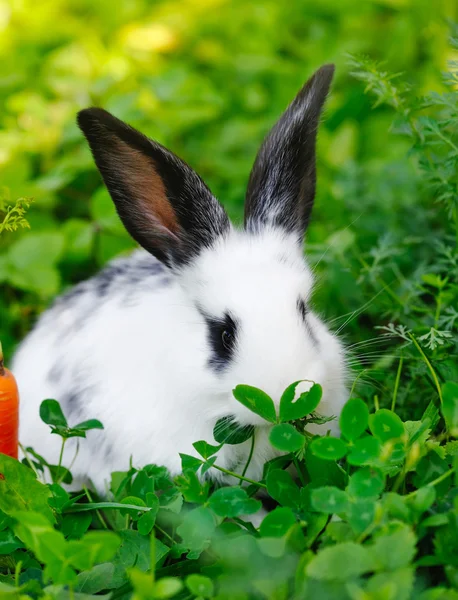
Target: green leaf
324	472
79	236
31	263
147	521
205	449
233	502
227	431
397	584
133	500
328	448
361	514
59	498
200	586
395	506
88	425
277	522
366	483
340	562
142	583
291	409
286	438
257	401
142	484
48	545
329	500
36	249
208	465
9	542
61	474
386	425
94	547
449	406
431	467
190	463
135	549
20	491
167	587
192	488
394	550
74	526
197	529
272	547
423	499
364	450
96	579
51	413
281	487
354	419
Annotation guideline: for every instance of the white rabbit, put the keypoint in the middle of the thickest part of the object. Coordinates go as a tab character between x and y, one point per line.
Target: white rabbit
154	345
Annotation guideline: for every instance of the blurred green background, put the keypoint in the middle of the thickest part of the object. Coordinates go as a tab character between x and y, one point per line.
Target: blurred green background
207	78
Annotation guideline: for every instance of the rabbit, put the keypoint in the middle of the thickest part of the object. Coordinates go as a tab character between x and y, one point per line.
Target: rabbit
154	344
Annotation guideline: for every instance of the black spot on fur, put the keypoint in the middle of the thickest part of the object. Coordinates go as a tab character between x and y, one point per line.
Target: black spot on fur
73	405
304	315
104	280
108	451
71	401
222	337
74	293
55	373
130	273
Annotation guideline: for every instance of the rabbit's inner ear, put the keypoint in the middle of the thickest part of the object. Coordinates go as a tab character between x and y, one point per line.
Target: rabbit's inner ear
143	182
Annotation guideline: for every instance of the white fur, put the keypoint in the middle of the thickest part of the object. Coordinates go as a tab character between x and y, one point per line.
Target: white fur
143	364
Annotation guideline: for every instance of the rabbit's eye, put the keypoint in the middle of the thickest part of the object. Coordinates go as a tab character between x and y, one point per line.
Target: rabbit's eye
227	337
222	336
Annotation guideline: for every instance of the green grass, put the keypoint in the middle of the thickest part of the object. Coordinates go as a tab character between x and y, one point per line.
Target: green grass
208	80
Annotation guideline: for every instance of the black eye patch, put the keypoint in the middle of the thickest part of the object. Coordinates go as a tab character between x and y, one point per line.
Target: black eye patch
301	307
222	337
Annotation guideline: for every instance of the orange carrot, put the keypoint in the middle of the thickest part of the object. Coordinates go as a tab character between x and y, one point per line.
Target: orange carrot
9	411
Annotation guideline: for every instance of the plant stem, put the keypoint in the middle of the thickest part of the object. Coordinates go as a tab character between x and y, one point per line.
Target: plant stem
60	460
376	403
434	482
438	309
76	508
429	365
76	454
26	456
164	533
232	474
399	479
250	456
99	514
396	383
299	471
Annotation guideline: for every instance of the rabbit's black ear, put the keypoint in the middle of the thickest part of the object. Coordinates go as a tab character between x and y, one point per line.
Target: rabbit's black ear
281	188
163	203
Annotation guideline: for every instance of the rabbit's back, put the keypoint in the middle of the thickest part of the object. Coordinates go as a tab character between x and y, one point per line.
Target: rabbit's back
124	347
